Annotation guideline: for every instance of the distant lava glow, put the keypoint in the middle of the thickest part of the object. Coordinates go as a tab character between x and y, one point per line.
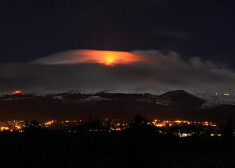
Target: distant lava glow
17	92
108	58
111	58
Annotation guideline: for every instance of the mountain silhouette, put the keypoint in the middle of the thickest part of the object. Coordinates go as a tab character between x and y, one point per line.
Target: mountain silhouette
181	97
171	105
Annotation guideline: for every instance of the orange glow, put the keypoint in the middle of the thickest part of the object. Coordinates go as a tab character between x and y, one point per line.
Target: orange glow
109	58
18	127
49	122
17	92
159	125
4	128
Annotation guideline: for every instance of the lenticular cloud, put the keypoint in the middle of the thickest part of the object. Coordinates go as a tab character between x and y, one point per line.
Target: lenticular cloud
92	56
88	70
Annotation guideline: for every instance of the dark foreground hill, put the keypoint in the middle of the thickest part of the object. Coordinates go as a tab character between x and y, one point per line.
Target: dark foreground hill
171	105
114	150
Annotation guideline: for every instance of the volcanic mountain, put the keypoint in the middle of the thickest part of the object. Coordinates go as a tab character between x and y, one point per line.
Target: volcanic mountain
180	97
75	105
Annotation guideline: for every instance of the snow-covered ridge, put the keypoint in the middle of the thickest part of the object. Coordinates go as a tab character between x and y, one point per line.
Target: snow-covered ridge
211	99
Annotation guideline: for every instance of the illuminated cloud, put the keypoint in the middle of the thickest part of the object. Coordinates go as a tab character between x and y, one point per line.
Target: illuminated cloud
92	56
87	70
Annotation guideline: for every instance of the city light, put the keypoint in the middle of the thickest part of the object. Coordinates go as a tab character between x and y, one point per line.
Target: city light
118	125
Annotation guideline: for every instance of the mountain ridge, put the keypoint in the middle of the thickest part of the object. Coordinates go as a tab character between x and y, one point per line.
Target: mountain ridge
174	104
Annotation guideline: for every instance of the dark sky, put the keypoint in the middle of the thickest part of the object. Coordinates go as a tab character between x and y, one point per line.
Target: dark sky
201	28
189	44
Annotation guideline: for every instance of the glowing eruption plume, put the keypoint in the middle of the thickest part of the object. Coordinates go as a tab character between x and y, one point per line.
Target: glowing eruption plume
112	57
17	92
108	58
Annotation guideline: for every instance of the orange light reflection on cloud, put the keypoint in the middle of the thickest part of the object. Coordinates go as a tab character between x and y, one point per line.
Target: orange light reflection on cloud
110	58
17	92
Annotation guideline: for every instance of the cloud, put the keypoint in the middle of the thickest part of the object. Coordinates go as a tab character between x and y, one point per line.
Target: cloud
61	72
162	31
91	56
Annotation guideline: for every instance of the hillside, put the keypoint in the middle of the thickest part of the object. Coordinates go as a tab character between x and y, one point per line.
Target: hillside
171	105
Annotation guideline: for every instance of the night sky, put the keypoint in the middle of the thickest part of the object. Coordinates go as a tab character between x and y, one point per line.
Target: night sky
200	32
202	28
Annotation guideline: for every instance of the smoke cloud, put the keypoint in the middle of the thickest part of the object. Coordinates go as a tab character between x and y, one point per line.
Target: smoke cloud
74	70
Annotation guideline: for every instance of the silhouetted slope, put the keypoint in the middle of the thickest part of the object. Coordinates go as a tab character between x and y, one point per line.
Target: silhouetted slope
172	105
180	97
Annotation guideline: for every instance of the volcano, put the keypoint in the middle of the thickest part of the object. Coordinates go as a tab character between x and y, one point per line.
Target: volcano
181	97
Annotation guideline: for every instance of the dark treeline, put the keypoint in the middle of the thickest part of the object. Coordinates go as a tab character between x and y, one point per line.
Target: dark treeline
141	145
115	149
140	125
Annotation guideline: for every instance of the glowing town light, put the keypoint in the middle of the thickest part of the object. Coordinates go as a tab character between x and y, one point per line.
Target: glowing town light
49	123
160	125
178	121
226	94
18	127
4	128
